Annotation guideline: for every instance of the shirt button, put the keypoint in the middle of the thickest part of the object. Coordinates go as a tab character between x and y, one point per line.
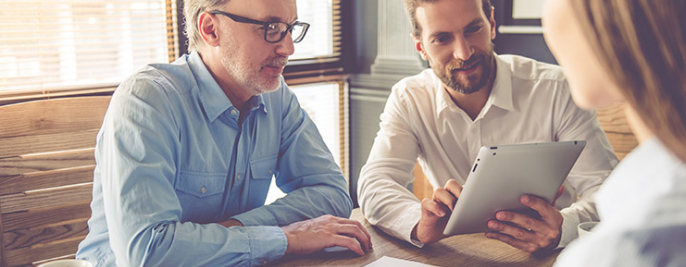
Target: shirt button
233	112
238	176
264	262
202	190
270	171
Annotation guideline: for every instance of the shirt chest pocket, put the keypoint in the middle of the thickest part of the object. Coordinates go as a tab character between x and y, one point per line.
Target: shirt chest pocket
200	195
261	172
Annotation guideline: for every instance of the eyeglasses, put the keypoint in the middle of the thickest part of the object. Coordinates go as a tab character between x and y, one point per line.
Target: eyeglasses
275	31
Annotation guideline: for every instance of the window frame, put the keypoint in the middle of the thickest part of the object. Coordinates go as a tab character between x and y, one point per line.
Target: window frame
297	72
304	68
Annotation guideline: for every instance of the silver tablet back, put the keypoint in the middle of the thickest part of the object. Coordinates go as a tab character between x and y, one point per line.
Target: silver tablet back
500	175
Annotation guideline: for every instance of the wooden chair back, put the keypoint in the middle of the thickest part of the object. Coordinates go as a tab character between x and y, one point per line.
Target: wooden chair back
615	125
46	175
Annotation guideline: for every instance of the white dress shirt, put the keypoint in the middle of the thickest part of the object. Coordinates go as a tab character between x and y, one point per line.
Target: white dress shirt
529	102
642	211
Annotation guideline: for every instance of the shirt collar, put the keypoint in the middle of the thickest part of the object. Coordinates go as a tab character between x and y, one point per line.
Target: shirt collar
501	94
257	102
213	100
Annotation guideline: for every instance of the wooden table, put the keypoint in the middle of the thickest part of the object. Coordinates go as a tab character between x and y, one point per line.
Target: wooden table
459	250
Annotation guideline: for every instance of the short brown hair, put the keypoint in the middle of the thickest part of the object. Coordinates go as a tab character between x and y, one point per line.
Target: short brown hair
641	44
411	8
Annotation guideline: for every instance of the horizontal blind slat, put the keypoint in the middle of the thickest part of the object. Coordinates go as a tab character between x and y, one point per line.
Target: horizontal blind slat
86	50
50	45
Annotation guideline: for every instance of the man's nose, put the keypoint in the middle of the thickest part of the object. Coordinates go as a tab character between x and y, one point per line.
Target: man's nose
285	47
462	49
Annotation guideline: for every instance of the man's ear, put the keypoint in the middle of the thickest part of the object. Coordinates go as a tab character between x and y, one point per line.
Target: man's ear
419	47
208	27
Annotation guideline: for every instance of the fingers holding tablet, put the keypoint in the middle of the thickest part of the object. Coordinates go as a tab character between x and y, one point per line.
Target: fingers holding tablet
455	189
526	232
447	196
433	219
430	227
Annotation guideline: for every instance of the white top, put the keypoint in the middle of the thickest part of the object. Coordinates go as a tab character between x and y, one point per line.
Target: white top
643	212
529	102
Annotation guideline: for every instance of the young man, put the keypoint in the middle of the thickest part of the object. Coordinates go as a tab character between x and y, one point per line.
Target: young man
470	98
187	150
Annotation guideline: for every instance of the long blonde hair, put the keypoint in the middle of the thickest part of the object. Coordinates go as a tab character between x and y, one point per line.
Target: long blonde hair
642	43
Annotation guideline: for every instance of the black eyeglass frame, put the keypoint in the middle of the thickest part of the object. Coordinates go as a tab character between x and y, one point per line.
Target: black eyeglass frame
267	26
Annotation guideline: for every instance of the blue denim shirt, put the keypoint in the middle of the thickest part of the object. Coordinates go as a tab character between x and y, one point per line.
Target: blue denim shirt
173	160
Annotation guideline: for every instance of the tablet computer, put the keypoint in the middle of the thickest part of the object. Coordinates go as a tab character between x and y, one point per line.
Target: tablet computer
502	174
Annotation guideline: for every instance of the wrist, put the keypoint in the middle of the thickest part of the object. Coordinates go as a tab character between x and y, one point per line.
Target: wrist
289	241
413	234
231	223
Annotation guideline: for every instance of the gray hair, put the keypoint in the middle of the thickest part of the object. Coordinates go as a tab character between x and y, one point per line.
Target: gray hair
191	11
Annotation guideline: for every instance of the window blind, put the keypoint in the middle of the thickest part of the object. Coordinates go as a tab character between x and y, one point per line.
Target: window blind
54	47
320	53
63	47
323	39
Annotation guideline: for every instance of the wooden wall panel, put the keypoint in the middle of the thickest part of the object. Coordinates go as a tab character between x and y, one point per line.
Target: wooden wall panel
21	145
16	257
28	237
53	116
46	198
40	217
46	175
48	179
46	162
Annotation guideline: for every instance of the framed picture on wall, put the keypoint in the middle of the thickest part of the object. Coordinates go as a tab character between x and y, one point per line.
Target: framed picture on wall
523	12
519	16
519	29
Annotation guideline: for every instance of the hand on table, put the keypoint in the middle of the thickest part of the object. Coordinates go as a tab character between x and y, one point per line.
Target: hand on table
525	232
326	231
435	213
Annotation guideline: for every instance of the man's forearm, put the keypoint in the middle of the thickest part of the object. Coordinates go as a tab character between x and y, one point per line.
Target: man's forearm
302	204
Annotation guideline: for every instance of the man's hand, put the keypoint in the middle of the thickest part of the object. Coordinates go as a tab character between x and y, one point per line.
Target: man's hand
525	232
326	231
435	213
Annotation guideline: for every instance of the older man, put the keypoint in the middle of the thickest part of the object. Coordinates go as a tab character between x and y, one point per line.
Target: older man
471	98
187	151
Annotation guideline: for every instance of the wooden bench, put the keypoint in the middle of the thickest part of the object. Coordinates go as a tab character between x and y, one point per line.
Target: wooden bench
46	174
612	120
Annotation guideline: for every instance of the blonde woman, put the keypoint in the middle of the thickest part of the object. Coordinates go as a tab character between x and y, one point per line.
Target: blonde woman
631	51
